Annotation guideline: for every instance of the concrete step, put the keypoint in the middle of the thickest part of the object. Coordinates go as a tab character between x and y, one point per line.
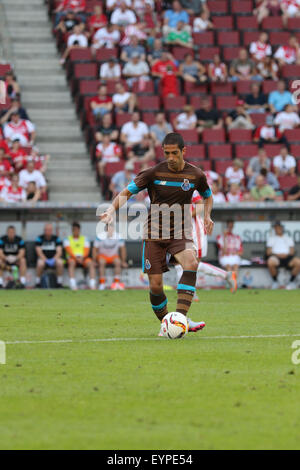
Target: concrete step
38	64
68	132
20	3
36	47
45	87
34	56
51	136
35	32
52	114
80	197
44	80
45	96
72	187
21	14
64	148
67	165
76	178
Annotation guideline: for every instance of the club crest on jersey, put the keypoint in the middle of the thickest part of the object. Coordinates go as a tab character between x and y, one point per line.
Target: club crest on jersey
147	264
186	186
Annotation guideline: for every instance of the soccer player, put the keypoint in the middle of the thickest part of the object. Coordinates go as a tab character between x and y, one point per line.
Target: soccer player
170	185
12	254
200	241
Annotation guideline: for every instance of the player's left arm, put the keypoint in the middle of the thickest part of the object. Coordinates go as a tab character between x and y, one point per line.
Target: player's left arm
205	191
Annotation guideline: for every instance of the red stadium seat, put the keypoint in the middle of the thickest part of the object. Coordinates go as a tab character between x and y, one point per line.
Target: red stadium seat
220	152
246	151
268	86
258	119
149	118
295	150
242	7
174	103
3	69
287	182
111	85
205	165
279	38
240	135
213	136
194	89
149	103
222	165
206	54
122	118
189	136
218	7
245	23
223	22
219	88
6	105
81	55
243	87
196	152
148	88
272	23
204	38
298	167
196	101
293	24
272	149
228	38
226	103
112	168
89	70
292	135
88	87
250	36
180	52
103	54
291	71
231	53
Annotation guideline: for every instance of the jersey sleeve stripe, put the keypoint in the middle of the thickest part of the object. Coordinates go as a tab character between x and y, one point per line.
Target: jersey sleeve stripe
133	188
206	193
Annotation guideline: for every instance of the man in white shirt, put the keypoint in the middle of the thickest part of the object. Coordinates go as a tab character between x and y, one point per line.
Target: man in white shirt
132	132
136	70
76	40
31	175
123	16
108	37
113	4
284	164
123	100
287	119
19	129
281	253
110	70
260	49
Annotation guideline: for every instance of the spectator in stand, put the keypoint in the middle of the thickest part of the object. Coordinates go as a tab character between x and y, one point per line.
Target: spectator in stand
107	152
136	30
235	174
191	70
175	15
110	70
234	194
132	132
18	156
257	163
230	248
4	182
243	68
122	178
160	68
12	253
97	20
179	36
141	7
169	83
268	69
294	192
289	54
108	37
107	128
268	133
186	120
142	152
14	192
5	166
48	249
270	180
202	22
284	164
281	253
290	9
101	104
217	70
30	174
40	161
194	7
136	70
133	48
77	6
208	117
123	101
256	101
123	16
21	129
77	40
155	51
260	49
160	129
77	248
67	22
33	194
212	177
14	107
11	85
287	119
111	5
267	8
262	192
279	98
239	118
218	196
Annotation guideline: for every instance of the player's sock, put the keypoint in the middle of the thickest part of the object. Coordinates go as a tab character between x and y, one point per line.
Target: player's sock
73	284
23	280
59	279
293	277
185	290
117	279
92	284
211	270
275	277
1	281
159	303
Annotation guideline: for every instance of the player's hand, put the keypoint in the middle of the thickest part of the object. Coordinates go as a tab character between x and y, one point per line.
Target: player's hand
208	225
107	216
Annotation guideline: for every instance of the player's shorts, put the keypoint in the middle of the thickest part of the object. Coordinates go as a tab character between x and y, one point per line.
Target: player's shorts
108	259
230	260
283	263
154	255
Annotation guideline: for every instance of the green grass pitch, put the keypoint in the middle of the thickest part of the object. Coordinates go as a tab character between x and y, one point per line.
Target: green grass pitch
231	386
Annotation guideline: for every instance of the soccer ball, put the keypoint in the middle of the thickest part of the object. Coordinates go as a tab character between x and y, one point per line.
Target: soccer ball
174	325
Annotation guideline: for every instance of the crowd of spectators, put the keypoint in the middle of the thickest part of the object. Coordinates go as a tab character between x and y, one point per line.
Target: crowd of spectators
203	82
22	167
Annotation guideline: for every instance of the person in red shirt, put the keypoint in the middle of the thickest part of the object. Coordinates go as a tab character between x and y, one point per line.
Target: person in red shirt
5	167
169	83
101	104
18	156
159	68
97	21
4	145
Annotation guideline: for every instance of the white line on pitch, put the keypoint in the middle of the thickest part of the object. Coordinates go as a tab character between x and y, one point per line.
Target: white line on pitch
102	340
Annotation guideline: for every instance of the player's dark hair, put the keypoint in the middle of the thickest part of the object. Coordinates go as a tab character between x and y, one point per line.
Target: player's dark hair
173	138
11	227
76	224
